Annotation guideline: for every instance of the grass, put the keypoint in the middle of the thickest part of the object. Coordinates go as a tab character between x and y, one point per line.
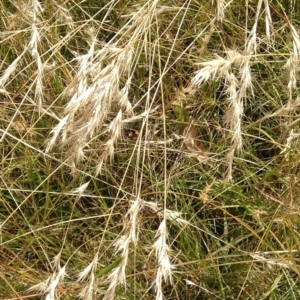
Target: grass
149	150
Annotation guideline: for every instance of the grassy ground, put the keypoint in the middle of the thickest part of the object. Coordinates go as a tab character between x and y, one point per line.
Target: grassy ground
149	149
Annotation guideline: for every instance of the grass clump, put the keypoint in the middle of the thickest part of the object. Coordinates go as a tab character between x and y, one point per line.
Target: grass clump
149	150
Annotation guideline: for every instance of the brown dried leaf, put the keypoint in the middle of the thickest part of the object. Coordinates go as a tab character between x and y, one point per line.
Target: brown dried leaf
192	143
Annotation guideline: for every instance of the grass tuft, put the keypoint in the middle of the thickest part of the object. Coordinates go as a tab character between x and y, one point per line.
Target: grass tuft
149	149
